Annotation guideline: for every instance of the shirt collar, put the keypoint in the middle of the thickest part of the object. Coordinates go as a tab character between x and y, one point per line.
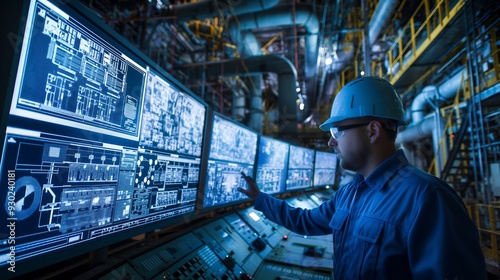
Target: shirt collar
384	172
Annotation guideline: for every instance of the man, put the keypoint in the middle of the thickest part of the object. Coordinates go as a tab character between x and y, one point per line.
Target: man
393	221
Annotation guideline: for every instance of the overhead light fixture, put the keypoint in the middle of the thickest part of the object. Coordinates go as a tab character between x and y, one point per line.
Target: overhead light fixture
328	61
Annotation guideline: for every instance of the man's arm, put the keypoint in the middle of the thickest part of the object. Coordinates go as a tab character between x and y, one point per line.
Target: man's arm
302	221
443	243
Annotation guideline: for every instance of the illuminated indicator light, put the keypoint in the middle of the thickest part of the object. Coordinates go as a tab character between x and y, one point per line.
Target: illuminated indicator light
254	216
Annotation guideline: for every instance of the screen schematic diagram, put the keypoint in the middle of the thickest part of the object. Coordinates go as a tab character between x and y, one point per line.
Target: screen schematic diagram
164	182
171	120
73	140
71	75
171	141
272	165
65	189
232	150
232	142
325	167
300	168
69	190
223	179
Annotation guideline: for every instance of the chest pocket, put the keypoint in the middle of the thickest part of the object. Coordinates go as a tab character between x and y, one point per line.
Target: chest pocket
368	233
368	229
337	223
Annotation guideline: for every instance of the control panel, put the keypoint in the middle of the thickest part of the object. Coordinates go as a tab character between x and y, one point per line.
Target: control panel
237	250
201	264
274	271
125	271
160	259
255	242
313	252
241	245
267	229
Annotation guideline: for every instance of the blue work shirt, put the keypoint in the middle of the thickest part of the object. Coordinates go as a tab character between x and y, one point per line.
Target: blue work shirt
399	223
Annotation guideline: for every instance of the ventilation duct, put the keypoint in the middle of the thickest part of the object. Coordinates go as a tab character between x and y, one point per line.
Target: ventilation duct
380	18
206	9
432	125
251	47
421	126
433	94
287	77
279	17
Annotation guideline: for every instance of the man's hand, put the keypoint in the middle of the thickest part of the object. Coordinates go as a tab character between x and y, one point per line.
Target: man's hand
253	190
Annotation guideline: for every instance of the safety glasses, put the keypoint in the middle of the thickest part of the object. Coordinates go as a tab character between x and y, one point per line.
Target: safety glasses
339	131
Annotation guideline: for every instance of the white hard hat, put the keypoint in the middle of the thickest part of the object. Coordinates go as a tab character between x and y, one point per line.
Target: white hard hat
366	97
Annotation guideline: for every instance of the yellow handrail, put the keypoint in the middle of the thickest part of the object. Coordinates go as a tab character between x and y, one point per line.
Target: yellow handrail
413	40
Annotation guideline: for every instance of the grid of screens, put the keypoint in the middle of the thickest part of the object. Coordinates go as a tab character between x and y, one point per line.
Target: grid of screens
232	150
325	167
300	168
97	145
272	165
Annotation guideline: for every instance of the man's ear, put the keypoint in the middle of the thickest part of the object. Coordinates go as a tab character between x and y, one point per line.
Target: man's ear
375	131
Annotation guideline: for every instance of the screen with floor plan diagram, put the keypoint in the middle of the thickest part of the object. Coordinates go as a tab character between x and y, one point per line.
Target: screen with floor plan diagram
99	145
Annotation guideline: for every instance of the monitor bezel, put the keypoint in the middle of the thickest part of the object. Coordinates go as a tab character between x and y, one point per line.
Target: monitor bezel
335	169
283	189
310	187
204	209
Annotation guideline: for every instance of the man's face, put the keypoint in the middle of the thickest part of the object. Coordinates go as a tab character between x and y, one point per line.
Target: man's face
349	139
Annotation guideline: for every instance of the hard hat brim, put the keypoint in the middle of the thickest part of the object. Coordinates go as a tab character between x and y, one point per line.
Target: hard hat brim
328	123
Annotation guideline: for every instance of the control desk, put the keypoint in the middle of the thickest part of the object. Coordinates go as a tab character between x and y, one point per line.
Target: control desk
239	245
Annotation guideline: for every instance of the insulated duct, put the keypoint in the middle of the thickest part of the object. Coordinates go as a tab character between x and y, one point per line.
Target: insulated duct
433	125
206	9
433	94
425	126
381	16
254	90
287	77
251	47
279	17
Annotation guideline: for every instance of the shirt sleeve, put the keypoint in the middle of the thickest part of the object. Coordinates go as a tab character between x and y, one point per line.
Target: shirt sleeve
443	242
302	221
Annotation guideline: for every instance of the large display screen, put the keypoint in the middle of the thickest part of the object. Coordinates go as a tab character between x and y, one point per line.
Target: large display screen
169	155
325	168
300	168
99	146
272	164
71	75
233	149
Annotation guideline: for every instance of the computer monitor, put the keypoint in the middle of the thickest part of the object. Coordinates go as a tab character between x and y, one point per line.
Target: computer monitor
300	168
325	168
88	159
272	162
233	148
169	154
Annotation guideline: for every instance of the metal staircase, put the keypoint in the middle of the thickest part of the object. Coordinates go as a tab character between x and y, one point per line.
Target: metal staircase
457	170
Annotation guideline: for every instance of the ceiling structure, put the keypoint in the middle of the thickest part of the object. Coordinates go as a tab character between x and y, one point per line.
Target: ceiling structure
274	65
